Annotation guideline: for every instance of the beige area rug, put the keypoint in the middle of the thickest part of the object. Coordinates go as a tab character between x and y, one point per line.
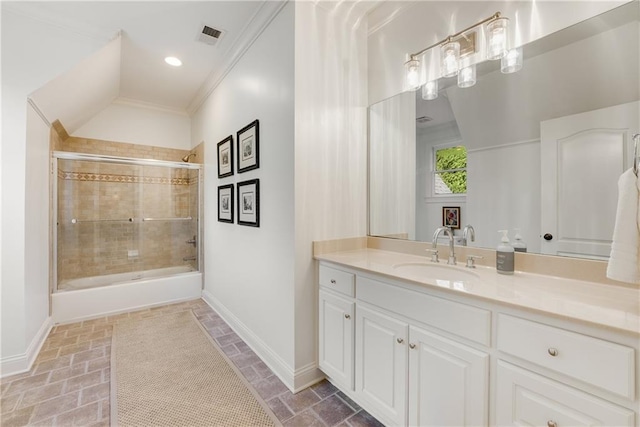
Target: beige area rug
167	371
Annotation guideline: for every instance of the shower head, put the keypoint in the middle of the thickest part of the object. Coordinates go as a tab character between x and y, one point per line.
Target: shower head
187	157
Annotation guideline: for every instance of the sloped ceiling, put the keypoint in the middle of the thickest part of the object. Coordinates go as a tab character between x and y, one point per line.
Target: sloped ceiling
131	67
82	92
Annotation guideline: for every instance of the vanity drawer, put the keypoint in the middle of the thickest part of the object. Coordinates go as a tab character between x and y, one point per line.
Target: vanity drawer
463	320
524	398
338	280
601	363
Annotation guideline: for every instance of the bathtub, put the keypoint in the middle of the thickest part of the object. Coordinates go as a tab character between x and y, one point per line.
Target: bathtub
114	279
91	297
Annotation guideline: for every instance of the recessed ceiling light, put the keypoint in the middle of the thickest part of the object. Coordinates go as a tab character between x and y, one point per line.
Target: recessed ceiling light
172	60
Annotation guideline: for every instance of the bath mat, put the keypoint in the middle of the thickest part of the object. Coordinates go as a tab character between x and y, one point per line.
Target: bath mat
167	371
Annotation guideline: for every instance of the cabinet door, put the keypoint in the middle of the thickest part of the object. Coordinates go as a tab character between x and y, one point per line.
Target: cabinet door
526	398
336	338
381	364
448	382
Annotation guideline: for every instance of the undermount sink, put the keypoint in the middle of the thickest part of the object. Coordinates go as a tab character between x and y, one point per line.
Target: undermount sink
435	271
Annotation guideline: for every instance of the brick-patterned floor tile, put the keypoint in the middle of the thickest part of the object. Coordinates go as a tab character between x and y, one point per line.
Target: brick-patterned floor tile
55	406
75	361
80	416
280	409
83	381
94	393
324	389
40	394
18	386
9	403
307	419
333	410
363	419
300	401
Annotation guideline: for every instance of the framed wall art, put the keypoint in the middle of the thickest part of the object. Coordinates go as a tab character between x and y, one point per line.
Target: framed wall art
225	157
451	216
225	203
248	139
249	203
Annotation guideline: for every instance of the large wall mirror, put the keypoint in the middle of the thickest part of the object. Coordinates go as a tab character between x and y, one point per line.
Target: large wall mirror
540	150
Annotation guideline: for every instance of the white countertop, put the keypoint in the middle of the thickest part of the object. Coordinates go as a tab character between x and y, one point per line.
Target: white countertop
603	305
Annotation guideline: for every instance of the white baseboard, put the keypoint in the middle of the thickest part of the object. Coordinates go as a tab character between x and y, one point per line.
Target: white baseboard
295	380
20	363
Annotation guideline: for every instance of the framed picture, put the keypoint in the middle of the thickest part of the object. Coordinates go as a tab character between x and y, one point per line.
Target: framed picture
451	216
225	203
225	157
248	139
249	203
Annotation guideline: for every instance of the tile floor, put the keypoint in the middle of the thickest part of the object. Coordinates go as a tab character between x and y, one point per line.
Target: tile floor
69	382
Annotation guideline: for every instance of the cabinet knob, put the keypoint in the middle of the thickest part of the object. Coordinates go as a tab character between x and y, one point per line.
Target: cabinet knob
400	340
333	281
552	352
347	316
552	423
548	236
412	346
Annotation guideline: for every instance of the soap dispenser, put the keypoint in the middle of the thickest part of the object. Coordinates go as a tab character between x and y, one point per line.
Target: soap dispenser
504	255
518	244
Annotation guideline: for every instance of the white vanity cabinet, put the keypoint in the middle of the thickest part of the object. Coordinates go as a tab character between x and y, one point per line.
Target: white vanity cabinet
336	326
413	355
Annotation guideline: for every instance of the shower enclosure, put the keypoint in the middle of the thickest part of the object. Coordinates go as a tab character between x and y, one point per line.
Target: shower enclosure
119	220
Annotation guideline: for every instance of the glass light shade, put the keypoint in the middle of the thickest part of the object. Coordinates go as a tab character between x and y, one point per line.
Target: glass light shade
430	90
467	76
413	74
512	61
497	38
449	56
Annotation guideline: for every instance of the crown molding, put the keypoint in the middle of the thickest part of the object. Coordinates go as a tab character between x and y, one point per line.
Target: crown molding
148	106
258	22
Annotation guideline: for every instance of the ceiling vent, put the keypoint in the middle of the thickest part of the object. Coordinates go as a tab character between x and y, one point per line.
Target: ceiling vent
209	35
423	119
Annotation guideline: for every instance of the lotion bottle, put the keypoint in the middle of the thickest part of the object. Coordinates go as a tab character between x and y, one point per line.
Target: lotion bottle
504	255
518	244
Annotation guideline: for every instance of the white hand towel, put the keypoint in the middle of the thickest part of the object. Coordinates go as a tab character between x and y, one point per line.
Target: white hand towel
624	263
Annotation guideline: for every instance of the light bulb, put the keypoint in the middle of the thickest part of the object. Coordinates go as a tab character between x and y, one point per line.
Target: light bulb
172	60
512	61
430	90
497	38
467	76
413	75
449	55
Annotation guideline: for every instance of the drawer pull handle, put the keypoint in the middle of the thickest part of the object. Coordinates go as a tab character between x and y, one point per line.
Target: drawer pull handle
412	346
552	352
552	423
347	316
333	281
400	340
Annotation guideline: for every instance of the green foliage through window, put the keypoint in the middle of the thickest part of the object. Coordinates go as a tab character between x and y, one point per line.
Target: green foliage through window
451	169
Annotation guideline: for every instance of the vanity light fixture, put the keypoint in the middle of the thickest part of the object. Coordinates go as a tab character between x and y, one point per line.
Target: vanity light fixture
457	51
430	90
512	61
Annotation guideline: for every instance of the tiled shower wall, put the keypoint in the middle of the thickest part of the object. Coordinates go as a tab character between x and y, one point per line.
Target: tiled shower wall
108	203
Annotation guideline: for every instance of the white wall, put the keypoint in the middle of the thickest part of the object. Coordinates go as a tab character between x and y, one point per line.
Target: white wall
250	271
331	146
410	29
138	124
392	155
52	50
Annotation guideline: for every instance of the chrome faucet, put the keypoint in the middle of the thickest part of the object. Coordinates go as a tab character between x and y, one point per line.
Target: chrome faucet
448	232
468	231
